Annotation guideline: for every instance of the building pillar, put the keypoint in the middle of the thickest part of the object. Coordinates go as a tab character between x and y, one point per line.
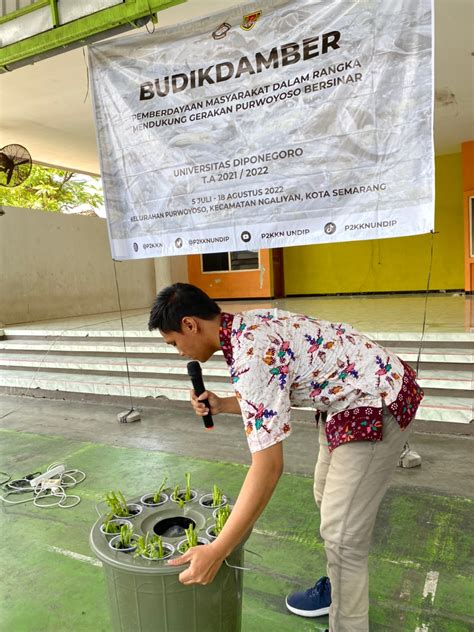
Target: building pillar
162	272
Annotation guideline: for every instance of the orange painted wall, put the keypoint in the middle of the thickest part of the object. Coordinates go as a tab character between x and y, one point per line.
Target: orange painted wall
242	284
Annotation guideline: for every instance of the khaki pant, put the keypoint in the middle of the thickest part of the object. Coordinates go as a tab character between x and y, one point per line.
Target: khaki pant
349	484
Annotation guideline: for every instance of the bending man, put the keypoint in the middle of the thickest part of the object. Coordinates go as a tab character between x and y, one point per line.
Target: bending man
365	398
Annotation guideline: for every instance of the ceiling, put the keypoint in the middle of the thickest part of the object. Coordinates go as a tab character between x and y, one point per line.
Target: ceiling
46	107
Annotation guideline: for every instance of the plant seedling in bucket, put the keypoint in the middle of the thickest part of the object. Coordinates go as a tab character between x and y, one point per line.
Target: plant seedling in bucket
178	497
156	498
126	541
159	491
118	505
216	496
215	499
185	496
222	515
187	491
221	518
191	539
110	525
126	533
152	547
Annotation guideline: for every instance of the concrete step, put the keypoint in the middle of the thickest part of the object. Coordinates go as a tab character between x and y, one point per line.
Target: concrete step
386	338
433	408
447	380
175	367
435	355
102	345
81	332
155	345
452	409
107	384
92	361
164	365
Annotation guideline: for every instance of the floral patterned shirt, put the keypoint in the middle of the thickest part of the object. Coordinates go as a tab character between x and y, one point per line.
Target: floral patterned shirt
278	359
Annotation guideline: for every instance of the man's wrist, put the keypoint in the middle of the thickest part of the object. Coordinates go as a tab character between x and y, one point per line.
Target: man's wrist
221	548
230	405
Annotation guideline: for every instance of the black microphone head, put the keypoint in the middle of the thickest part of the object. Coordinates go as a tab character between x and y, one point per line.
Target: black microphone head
194	369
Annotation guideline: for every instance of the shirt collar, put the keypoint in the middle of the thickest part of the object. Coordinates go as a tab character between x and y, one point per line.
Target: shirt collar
225	331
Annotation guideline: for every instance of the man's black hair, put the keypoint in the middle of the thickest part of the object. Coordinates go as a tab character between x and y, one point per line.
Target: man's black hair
175	302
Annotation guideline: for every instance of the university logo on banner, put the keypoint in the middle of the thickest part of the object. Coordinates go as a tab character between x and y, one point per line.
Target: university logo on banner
250	20
293	122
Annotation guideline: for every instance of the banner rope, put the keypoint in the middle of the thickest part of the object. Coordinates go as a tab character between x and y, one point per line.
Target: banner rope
123	336
426	302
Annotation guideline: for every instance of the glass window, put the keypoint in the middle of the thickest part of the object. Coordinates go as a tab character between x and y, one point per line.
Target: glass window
244	260
215	262
230	261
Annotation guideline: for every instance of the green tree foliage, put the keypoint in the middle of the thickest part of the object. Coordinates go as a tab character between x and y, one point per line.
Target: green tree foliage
54	190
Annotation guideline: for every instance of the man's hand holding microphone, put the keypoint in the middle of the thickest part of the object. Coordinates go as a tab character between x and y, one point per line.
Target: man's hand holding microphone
205	403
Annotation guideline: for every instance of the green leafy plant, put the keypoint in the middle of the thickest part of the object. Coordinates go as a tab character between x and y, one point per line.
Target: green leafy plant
142	545
191	538
126	532
216	496
117	504
182	496
56	190
177	496
151	547
110	527
159	491
187	491
221	518
157	544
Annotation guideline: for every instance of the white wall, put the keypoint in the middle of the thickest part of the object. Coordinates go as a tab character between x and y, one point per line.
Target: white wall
54	265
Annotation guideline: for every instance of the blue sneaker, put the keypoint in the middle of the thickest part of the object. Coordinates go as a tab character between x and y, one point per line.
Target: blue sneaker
313	602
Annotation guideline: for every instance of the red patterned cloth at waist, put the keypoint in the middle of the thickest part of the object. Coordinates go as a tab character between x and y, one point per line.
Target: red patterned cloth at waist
365	423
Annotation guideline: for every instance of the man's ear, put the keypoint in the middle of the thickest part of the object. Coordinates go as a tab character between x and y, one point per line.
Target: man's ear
189	324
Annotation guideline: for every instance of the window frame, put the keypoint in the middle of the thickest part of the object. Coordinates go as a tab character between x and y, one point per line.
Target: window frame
230	271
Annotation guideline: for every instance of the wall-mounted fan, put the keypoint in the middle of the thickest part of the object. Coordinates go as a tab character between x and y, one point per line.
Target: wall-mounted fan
15	165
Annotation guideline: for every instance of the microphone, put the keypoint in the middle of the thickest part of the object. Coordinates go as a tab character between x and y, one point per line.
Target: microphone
195	373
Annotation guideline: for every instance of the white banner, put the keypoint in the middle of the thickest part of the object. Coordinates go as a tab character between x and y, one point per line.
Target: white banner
281	123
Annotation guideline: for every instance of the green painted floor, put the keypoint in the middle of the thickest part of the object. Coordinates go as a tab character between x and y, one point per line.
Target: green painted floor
45	590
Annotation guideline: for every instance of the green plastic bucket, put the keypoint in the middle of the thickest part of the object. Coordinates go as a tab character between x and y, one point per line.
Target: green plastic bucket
146	595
